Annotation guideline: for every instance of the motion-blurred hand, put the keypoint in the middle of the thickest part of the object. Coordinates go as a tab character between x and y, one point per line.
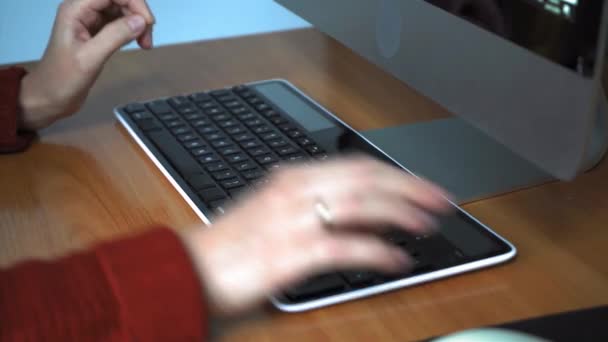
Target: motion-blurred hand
275	238
85	35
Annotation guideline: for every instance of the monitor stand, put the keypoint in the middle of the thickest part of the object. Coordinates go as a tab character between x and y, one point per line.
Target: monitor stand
468	163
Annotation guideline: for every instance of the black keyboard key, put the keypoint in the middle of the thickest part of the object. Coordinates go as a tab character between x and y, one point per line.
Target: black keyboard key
305	141
316	287
201	181
201	123
240	89
221	117
212	194
247	94
287	127
253	174
134	108
226	98
201	151
277	143
287	150
298	157
254	100
209	158
250	144
223	175
229	150
207	105
270	113
237	158
228	124
278	120
168	117
273	166
141	116
236	130
262	107
232	104
215	136
175	153
245	166
159	107
258	151
219	93
215	167
321	156
195	116
232	184
239	110
147	125
186	137
200	97
262	129
295	134
267	159
207	130
295	158
221	143
243	137
174	123
254	122
314	149
189	109
270	136
237	192
192	144
359	278
178	101
246	116
214	111
181	130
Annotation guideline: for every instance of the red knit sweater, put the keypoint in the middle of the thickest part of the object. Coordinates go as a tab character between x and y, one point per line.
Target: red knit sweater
137	289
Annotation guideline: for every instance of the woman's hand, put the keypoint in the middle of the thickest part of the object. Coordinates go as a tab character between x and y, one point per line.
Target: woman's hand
276	238
85	35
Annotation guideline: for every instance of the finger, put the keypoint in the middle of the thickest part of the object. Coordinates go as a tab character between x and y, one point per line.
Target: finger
378	176
376	211
351	251
133	6
146	40
111	38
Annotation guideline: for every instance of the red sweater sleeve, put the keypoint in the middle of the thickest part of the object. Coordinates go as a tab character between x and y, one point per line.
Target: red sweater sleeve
11	139
137	289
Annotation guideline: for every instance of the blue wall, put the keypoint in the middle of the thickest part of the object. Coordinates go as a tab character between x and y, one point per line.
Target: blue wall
25	25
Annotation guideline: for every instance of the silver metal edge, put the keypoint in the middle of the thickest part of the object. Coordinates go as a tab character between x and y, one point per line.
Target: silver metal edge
161	167
314	304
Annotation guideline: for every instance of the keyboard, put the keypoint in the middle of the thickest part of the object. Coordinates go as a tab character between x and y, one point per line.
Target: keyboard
223	142
216	145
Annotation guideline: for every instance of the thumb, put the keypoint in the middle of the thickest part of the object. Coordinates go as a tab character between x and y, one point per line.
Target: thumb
111	38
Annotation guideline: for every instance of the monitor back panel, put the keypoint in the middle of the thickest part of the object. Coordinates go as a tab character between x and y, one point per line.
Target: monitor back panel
538	108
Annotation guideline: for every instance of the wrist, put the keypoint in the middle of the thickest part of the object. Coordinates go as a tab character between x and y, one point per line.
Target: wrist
35	106
194	243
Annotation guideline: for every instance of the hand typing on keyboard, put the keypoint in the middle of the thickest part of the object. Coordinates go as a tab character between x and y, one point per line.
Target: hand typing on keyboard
86	33
324	220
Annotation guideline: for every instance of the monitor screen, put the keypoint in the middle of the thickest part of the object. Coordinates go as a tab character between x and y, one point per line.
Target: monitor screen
564	31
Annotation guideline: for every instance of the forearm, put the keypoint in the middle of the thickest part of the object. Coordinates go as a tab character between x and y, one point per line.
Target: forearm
142	288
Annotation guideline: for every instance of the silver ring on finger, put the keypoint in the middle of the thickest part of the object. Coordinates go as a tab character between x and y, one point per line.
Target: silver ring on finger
324	213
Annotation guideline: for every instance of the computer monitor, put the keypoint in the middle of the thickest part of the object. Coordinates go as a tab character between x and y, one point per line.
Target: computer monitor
525	72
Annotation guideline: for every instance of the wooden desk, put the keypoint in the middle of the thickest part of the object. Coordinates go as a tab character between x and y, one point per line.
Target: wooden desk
86	181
